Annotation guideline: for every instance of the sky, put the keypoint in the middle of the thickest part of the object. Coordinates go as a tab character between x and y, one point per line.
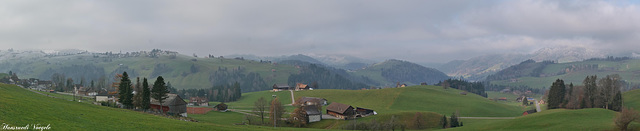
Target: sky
414	30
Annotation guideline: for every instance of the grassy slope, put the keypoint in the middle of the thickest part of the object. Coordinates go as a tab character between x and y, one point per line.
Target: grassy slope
21	107
632	99
393	100
629	70
560	119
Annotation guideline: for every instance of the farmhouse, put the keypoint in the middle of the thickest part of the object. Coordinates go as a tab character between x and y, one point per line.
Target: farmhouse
300	86
281	87
173	104
340	110
313	113
198	101
312	101
529	112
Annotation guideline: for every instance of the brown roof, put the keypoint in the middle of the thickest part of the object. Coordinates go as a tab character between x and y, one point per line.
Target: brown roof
338	107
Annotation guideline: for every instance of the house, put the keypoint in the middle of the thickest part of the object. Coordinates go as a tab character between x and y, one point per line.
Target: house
340	110
173	105
313	113
363	112
198	101
102	98
281	87
44	84
503	98
529	112
300	86
312	101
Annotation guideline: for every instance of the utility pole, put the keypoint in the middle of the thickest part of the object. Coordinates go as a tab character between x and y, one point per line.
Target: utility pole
275	110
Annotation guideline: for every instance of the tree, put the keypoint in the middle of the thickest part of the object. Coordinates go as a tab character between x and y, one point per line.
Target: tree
556	94
616	104
454	120
299	117
159	91
137	98
314	85
260	108
625	117
525	102
443	121
418	121
146	95
276	110
125	94
590	91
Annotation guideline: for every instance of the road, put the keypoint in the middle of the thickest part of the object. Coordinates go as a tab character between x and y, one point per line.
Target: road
490	118
292	98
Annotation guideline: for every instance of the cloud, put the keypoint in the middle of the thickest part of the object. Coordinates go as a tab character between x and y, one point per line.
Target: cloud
433	31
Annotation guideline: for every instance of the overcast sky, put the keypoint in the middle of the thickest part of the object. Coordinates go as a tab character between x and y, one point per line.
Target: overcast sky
420	30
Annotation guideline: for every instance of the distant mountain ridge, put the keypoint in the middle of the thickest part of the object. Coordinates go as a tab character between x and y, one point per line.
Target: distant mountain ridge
392	72
478	68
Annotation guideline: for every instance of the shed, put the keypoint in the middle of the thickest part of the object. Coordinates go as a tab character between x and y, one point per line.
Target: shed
529	112
313	113
340	110
312	101
362	112
173	104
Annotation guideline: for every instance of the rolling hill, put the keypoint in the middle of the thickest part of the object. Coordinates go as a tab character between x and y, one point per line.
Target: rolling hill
391	72
542	74
21	107
558	119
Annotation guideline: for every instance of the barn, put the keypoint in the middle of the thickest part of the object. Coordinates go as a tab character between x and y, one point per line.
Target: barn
340	110
173	105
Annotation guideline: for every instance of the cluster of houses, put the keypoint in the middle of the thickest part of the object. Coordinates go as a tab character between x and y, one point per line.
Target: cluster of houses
312	107
284	87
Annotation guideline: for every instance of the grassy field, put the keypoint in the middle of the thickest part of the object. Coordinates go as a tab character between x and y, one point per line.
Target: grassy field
21	107
401	103
559	120
632	99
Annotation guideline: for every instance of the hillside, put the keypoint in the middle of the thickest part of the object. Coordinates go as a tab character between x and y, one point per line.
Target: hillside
632	99
391	72
559	119
477	68
21	107
541	74
394	100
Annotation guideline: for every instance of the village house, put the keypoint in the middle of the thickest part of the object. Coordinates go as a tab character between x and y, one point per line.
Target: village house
340	110
312	101
198	101
300	86
172	105
313	113
281	87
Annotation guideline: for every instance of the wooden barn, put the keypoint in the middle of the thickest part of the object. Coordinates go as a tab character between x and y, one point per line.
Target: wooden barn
313	113
363	112
173	105
340	110
281	87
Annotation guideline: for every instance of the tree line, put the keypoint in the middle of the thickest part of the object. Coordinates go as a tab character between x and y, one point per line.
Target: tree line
603	93
221	93
142	98
473	87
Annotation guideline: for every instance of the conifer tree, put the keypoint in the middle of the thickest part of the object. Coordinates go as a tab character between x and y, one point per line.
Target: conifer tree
146	95
125	91
556	94
159	91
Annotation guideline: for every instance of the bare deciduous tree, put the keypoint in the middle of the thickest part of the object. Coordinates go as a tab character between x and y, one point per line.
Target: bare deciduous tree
626	116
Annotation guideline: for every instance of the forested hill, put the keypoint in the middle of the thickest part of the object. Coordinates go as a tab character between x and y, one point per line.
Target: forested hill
184	72
542	74
391	72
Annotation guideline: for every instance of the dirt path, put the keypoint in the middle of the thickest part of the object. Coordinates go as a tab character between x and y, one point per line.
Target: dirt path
538	107
293	99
